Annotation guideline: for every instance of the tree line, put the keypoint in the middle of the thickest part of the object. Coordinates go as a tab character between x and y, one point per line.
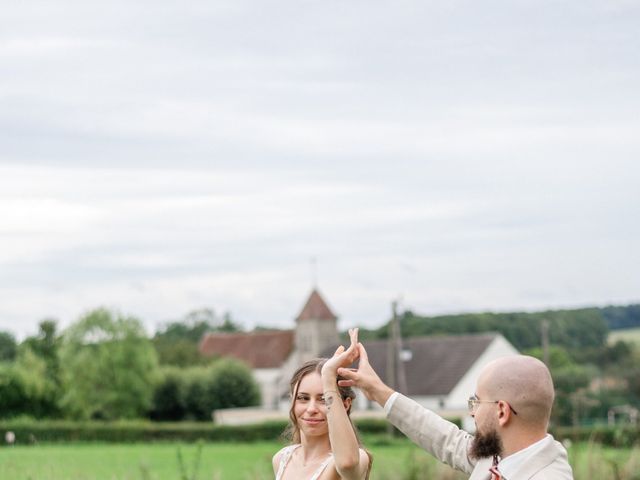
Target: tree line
105	367
591	375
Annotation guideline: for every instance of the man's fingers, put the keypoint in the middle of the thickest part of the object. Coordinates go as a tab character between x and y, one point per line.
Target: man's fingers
339	350
364	359
348	373
346	383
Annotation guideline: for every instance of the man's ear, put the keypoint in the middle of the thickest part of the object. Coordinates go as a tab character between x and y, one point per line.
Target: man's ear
347	403
504	413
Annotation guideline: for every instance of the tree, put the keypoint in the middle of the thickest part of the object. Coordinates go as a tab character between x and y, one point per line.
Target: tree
46	344
109	367
12	392
571	383
232	385
199	403
8	347
178	352
38	363
177	343
40	389
169	396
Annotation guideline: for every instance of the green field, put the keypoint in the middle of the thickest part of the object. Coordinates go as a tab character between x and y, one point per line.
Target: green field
631	335
160	461
392	460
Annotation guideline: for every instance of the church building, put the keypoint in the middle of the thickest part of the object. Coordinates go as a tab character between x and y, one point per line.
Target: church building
275	355
439	371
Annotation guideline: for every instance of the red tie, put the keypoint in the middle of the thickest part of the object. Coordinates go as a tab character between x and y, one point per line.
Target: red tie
495	474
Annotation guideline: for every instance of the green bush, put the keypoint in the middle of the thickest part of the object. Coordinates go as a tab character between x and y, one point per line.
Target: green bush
198	402
614	435
231	385
13	396
31	432
169	396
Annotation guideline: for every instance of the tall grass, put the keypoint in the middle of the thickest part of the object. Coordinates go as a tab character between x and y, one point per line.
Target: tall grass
593	461
394	459
589	461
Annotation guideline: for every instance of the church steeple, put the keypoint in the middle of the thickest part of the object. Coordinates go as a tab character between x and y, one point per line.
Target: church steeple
316	308
316	328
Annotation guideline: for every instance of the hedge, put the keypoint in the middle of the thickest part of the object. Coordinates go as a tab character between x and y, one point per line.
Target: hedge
31	432
614	435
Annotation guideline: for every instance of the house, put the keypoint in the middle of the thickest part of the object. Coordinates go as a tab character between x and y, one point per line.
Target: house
275	355
439	372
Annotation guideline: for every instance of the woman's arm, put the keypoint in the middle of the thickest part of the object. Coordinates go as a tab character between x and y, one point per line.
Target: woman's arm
350	461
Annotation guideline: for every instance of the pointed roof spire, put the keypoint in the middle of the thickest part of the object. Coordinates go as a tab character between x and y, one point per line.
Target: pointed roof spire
316	308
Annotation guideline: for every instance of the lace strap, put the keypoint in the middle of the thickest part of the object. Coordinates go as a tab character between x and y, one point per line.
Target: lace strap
284	459
322	467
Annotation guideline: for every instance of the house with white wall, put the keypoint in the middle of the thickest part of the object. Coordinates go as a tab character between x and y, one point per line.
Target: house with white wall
439	372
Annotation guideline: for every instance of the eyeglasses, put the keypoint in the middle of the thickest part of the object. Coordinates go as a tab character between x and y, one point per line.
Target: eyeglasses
474	401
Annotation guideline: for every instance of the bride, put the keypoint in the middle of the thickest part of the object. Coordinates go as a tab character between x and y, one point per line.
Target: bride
324	443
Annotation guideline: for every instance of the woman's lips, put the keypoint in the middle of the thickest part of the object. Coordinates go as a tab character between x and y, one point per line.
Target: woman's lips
313	421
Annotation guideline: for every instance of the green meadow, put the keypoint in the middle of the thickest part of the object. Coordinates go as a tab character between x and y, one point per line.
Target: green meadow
396	459
631	335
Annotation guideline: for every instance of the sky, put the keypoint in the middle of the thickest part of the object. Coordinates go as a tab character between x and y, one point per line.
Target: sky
158	157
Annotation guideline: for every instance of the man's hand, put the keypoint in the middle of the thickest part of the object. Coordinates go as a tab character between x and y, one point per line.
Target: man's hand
342	357
366	379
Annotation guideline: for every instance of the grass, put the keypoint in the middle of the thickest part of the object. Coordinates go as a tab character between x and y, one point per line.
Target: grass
393	459
631	335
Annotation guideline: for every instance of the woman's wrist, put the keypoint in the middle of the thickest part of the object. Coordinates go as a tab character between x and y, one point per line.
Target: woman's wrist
329	391
328	370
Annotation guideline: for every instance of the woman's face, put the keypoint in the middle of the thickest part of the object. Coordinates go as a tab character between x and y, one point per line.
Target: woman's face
309	408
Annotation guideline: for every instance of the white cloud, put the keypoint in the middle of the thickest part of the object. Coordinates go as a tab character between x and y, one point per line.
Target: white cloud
158	157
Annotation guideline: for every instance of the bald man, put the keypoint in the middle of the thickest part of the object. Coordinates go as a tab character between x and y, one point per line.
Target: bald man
511	409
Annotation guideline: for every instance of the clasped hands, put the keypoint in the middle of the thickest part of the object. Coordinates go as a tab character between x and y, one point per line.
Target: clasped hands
363	377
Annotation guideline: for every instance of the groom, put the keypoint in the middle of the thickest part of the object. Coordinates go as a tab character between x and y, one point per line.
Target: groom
511	409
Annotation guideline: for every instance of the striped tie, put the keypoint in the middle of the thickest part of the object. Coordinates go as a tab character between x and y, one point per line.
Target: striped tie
495	474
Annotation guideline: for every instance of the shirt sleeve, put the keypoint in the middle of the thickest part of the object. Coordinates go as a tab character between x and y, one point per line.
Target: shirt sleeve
390	401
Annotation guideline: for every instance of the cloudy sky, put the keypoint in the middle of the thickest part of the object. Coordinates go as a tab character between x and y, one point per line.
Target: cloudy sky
160	156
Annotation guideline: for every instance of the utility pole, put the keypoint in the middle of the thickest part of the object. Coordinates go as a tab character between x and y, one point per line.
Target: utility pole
544	327
392	357
397	340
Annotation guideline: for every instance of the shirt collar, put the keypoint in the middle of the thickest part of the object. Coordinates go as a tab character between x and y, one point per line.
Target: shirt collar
511	464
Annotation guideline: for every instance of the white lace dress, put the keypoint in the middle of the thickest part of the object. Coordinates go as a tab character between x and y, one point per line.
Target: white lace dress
287	452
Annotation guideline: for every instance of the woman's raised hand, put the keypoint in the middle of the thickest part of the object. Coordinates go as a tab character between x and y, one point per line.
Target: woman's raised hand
342	357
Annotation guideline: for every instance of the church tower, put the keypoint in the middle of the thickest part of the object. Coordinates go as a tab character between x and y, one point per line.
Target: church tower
316	328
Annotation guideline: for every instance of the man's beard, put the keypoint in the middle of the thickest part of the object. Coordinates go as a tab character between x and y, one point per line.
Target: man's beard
486	444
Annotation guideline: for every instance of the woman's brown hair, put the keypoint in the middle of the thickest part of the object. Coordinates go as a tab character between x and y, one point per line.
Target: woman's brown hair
292	432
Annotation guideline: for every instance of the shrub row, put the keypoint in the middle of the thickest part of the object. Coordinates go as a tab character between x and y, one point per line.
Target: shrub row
615	435
132	432
30	432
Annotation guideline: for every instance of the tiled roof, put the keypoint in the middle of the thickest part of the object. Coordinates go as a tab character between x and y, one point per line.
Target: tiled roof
258	349
437	363
316	308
